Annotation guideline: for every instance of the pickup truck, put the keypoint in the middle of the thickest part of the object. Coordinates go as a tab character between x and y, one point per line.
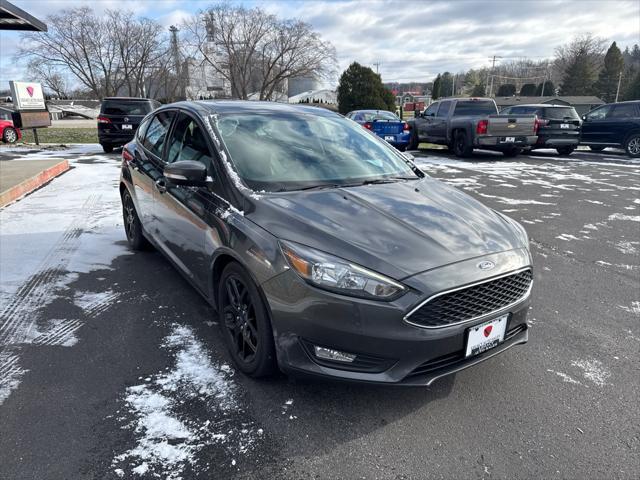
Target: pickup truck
464	124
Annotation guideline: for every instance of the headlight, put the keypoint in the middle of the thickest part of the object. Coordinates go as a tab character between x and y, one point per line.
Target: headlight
338	275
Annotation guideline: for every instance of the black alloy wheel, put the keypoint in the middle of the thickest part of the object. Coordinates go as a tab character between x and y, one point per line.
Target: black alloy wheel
132	225
245	323
632	145
461	146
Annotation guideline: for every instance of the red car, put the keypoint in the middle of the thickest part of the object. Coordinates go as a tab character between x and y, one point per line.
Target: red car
8	132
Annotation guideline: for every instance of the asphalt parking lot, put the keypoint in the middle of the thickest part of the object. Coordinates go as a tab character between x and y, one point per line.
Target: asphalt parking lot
111	365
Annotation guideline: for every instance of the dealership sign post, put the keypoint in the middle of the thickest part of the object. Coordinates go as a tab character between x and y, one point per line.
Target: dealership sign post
31	111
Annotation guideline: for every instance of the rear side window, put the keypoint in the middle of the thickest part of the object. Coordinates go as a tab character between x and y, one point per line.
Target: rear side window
624	110
599	113
142	129
561	113
123	107
156	134
482	107
443	111
189	142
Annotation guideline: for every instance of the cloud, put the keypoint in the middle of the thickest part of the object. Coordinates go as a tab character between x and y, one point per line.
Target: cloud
415	40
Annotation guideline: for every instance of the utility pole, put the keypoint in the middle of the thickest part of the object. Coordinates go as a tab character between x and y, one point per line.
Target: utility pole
618	89
377	64
493	68
175	52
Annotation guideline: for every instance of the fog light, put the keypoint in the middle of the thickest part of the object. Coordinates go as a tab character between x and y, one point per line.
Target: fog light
335	355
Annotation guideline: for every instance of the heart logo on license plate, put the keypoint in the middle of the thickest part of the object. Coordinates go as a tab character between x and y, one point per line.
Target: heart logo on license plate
487	330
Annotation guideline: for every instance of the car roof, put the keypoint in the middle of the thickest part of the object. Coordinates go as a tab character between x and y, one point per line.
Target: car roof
466	99
541	105
370	110
128	98
211	107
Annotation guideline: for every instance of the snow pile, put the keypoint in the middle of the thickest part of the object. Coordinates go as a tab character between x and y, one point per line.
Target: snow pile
168	435
620	216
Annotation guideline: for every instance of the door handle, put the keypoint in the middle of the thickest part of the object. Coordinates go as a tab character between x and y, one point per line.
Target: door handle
161	185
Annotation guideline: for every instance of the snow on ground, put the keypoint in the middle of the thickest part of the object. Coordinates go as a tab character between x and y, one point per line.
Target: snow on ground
593	370
167	441
73	225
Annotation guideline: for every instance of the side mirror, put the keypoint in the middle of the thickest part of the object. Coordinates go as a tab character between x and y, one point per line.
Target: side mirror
186	172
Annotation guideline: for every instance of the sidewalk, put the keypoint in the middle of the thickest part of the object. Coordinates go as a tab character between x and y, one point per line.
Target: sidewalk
20	177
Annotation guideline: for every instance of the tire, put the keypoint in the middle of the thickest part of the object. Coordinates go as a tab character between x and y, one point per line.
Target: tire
107	148
245	324
565	150
461	146
595	148
132	225
9	135
413	140
632	145
512	152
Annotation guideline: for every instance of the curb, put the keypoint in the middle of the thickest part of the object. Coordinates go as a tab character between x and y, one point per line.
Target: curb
31	184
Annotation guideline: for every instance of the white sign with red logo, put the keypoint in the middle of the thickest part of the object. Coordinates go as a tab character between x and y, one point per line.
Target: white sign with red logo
486	335
27	95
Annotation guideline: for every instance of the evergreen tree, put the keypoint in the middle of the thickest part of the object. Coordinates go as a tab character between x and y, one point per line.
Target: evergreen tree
632	92
435	94
528	90
607	83
446	85
579	77
506	90
549	89
362	88
478	91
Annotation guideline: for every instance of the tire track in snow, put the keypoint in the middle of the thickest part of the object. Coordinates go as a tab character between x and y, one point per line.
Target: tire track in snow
10	373
18	317
59	335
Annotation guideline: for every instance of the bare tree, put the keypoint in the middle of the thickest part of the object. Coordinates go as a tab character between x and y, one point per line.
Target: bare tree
249	47
49	76
109	54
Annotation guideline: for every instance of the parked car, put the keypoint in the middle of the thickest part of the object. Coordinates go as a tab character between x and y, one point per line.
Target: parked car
119	118
613	125
386	125
558	126
324	250
464	124
8	132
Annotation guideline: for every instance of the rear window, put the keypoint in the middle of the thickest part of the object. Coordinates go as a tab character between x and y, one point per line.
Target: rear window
115	107
373	116
482	107
560	113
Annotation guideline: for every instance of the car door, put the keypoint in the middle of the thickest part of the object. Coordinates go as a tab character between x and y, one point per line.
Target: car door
438	129
186	223
425	122
595	126
622	118
146	165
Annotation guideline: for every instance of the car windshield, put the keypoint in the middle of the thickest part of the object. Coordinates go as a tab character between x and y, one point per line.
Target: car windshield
560	113
381	115
291	151
480	107
126	108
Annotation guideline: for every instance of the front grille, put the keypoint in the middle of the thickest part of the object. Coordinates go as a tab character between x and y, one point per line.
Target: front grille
472	302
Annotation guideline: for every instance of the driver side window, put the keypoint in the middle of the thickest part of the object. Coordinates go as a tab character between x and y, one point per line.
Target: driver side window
431	111
188	142
599	113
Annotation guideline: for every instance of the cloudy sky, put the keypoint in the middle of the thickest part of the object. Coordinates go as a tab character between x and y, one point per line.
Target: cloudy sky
410	39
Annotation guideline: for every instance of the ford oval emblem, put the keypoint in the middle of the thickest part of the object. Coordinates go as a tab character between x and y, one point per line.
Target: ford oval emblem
486	265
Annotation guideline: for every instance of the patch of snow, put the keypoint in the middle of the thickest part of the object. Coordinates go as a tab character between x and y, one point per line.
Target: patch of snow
566	237
565	378
593	370
168	440
621	216
634	308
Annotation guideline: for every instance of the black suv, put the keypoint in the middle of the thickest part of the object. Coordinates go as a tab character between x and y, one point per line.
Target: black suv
119	119
613	125
558	126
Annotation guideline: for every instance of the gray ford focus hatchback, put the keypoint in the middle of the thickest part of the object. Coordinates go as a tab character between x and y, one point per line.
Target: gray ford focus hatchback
323	250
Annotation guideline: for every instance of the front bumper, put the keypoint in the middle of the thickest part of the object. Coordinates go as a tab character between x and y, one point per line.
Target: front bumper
388	349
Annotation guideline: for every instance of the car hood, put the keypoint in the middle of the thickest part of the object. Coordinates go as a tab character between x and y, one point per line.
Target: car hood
398	229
